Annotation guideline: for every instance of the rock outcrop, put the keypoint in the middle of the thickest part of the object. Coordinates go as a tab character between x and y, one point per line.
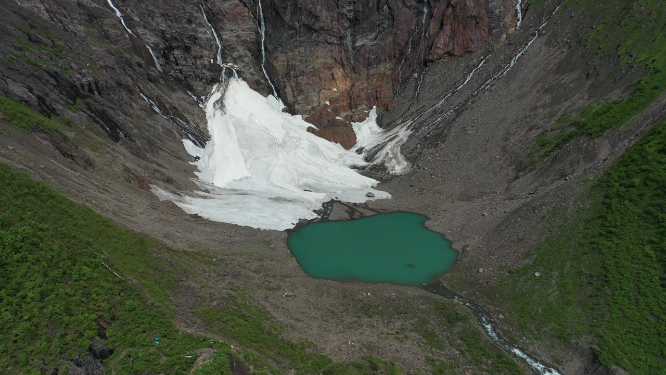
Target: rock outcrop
333	61
330	61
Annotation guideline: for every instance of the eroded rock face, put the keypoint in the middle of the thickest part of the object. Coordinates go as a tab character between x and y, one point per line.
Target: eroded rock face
330	60
335	60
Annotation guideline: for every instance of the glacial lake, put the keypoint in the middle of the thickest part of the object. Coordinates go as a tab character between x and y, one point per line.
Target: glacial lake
392	248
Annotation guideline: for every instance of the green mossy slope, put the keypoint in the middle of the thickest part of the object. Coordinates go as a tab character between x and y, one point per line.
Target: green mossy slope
604	270
634	31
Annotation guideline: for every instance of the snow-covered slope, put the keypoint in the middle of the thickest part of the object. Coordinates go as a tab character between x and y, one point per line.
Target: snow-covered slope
262	168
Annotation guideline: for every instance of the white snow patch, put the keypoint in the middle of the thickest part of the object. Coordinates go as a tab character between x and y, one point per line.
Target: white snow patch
276	103
262	168
385	145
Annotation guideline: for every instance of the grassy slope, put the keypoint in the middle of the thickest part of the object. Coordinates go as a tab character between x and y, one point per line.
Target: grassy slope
53	287
622	227
633	30
604	269
25	118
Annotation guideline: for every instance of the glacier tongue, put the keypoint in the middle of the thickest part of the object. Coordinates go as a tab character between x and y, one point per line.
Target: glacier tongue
262	168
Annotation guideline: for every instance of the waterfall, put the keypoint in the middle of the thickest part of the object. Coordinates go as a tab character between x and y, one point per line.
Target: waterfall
122	20
404	57
520	53
217	39
383	146
450	94
519	13
423	46
187	128
494	78
157	63
220	62
196	99
262	30
120	15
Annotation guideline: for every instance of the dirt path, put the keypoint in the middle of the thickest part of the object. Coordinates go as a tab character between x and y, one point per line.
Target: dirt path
113	372
205	354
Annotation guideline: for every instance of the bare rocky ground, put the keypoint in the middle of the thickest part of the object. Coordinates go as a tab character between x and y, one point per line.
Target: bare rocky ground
467	178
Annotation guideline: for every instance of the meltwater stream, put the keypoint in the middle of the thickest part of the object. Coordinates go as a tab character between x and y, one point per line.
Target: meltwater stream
489	326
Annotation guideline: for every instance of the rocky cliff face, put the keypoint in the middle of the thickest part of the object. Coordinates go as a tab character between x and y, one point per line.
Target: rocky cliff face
330	61
334	61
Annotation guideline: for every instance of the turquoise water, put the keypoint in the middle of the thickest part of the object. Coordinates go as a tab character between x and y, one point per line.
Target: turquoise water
395	248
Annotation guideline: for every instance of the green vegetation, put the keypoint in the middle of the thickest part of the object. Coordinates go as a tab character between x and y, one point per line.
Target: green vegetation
630	29
54	286
537	4
24	117
631	238
56	289
604	269
247	326
217	364
239	322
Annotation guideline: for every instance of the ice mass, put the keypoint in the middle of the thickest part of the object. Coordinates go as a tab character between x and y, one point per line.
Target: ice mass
263	169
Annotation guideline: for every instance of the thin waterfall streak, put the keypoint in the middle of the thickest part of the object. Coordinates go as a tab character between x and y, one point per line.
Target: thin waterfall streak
172	119
450	94
423	51
404	57
217	39
157	62
418	87
196	99
515	59
120	15
262	30
155	107
489	82
423	26
519	13
122	20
